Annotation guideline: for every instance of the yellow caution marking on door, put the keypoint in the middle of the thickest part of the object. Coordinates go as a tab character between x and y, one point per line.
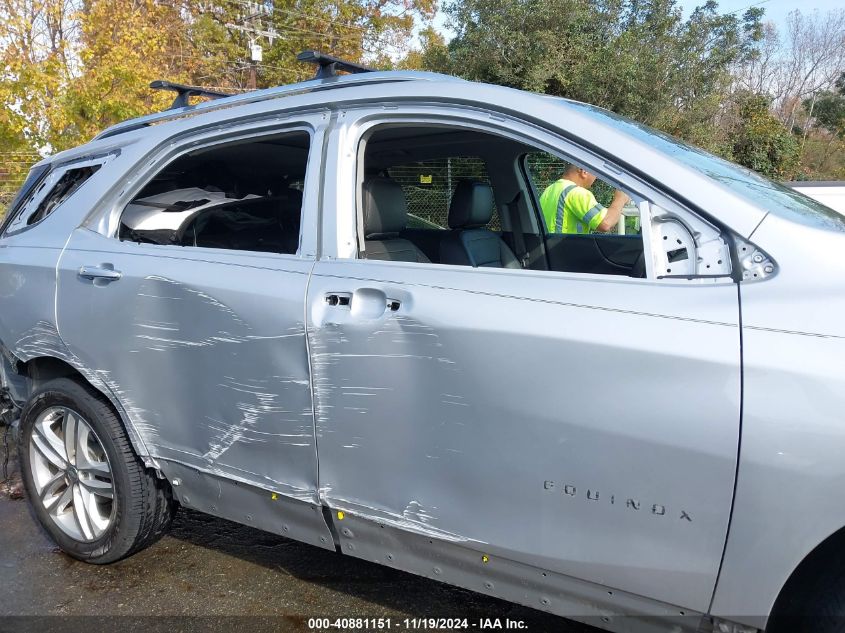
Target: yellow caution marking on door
340	515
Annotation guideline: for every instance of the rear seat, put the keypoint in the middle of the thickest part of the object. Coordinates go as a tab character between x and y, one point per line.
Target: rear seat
470	242
385	215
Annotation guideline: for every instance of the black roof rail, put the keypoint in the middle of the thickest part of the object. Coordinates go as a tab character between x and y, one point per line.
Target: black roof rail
183	92
327	66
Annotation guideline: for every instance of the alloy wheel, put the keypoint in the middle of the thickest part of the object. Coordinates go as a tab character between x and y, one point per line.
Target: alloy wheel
72	474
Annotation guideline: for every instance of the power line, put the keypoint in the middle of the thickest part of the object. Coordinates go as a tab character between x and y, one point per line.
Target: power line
365	31
241	65
756	4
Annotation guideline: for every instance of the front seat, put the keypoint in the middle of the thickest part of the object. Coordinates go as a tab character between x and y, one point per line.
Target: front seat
385	215
470	242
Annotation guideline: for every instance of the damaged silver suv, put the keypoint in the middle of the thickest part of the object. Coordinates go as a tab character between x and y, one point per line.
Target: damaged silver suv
334	311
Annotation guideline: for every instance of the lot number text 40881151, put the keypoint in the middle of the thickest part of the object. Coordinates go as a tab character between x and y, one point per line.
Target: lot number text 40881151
413	624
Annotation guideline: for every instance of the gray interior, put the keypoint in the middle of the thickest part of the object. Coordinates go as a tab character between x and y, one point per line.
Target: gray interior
254	199
385	216
470	240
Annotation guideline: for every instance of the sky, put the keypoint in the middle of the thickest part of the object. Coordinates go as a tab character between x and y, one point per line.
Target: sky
776	10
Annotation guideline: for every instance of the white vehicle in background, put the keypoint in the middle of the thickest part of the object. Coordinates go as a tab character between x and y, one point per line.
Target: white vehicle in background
828	192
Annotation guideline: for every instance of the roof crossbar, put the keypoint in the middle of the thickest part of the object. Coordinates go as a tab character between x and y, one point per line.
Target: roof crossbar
183	92
327	66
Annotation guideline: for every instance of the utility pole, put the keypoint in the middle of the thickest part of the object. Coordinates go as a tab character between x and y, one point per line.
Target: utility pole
252	26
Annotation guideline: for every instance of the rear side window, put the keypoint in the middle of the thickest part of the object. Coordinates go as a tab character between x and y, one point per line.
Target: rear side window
429	185
50	193
11	205
67	185
243	195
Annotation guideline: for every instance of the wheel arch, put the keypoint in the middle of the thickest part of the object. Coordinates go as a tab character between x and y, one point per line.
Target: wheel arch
41	369
804	580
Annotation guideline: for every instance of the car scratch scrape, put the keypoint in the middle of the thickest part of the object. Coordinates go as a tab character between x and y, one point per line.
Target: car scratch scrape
43	340
166	285
321	367
416	512
254	402
137	415
415	518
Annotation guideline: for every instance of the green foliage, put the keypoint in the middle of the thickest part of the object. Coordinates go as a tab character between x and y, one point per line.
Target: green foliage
760	141
828	109
639	58
69	68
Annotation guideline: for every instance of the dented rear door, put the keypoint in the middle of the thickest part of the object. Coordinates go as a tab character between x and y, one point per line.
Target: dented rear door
204	348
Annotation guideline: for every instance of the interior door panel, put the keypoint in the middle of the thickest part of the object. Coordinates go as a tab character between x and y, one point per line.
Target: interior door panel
597	254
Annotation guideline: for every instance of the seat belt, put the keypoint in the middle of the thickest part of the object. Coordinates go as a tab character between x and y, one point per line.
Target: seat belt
516	225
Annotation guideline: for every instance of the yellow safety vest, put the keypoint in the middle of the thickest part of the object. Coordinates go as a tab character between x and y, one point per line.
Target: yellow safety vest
568	208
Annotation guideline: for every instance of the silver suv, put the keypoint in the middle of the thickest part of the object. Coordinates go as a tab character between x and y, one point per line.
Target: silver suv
225	307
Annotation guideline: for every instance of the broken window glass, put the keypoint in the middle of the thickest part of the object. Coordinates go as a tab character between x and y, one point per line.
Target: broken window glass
238	196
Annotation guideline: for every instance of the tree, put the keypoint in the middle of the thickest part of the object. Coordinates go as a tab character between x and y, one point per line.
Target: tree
370	31
825	114
123	47
759	140
35	63
638	58
793	67
828	109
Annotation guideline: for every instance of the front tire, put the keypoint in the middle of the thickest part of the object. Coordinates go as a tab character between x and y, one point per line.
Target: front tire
87	487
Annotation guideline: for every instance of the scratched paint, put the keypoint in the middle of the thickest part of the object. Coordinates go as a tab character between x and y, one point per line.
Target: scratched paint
366	379
212	371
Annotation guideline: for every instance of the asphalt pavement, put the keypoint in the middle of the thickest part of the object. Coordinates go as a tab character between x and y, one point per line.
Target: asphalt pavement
208	574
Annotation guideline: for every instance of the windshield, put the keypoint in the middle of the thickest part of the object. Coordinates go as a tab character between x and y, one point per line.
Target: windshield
771	196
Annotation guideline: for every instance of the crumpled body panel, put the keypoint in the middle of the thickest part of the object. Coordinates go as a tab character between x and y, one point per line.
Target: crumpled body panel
207	354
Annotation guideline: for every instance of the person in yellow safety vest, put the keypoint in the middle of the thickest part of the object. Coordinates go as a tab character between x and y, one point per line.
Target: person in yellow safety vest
570	207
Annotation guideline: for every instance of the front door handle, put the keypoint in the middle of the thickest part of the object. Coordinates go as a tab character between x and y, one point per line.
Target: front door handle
338	299
103	273
360	305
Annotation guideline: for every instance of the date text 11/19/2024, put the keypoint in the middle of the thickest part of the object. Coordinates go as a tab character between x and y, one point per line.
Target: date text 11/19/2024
413	624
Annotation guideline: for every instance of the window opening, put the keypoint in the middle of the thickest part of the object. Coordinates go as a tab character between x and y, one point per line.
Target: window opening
240	196
544	169
51	190
430	184
67	185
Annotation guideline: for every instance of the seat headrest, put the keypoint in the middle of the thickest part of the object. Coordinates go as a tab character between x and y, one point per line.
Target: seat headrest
472	205
385	209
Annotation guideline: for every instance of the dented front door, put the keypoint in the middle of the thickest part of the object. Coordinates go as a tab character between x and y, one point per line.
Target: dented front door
580	424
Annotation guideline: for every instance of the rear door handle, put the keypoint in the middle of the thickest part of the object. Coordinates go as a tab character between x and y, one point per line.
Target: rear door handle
103	272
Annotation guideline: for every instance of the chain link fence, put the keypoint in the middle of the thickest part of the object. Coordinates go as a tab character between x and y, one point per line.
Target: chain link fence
14	167
429	186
